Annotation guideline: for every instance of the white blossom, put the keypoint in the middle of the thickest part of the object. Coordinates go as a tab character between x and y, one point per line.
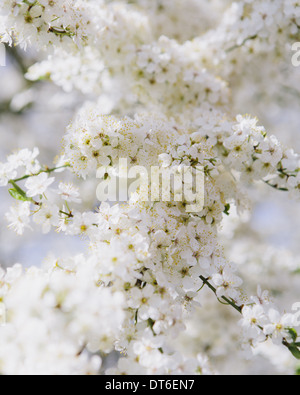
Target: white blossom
38	185
18	217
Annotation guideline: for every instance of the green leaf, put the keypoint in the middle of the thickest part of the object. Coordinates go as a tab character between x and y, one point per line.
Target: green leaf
294	350
227	209
293	333
18	196
18	193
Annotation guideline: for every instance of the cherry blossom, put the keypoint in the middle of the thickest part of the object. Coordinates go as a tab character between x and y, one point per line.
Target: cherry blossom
165	84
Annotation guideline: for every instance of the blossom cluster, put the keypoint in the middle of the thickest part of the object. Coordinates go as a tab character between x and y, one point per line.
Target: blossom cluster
38	22
56	328
157	98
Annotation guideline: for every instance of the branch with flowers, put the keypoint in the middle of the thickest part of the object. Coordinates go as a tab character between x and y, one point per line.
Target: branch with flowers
254	316
164	80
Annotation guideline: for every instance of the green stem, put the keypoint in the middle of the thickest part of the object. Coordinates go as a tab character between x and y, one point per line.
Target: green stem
276	187
42	171
22	193
228	301
69	215
241	45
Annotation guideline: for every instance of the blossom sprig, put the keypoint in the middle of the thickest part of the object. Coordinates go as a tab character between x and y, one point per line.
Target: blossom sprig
266	321
36	184
251	28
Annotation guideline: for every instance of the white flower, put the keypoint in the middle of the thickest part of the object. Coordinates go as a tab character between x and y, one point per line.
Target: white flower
271	151
19	217
278	325
38	185
290	160
7	173
47	216
69	193
262	297
294	182
147	349
26	158
141	300
253	316
83	224
226	284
